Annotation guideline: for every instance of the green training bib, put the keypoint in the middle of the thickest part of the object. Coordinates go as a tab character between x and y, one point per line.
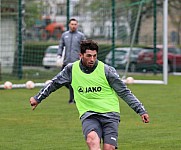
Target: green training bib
92	92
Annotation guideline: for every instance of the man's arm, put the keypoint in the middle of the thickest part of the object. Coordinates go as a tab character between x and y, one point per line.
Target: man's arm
145	118
61	79
83	37
61	46
123	92
33	103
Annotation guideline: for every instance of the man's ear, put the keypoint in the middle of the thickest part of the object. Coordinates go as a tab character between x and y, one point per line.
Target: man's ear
80	55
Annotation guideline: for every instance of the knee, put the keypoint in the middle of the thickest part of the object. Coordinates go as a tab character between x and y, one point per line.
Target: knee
93	139
109	147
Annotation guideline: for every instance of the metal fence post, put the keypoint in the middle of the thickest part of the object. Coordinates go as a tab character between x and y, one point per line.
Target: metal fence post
68	13
155	35
113	32
20	39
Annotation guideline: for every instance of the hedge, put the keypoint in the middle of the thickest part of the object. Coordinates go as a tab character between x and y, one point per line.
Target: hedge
34	52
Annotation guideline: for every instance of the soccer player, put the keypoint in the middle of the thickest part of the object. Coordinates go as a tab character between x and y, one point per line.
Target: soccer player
96	86
70	41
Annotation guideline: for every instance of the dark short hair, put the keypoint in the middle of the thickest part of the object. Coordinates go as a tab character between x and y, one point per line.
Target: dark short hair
88	44
73	19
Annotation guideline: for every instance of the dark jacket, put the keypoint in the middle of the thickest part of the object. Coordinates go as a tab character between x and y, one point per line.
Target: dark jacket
70	42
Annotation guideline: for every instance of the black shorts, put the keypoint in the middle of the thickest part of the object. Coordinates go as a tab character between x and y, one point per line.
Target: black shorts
106	128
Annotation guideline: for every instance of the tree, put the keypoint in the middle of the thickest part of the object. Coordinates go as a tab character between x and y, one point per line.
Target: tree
174	13
174	8
33	11
100	12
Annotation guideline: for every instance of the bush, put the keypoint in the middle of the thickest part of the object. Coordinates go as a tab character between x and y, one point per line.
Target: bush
34	52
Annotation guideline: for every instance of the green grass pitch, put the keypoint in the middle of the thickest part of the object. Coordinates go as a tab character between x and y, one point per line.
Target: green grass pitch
55	125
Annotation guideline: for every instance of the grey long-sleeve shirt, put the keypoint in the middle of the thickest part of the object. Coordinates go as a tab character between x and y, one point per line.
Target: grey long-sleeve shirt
65	76
71	42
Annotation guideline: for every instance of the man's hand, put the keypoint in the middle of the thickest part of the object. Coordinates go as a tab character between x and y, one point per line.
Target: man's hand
145	118
59	56
59	62
33	103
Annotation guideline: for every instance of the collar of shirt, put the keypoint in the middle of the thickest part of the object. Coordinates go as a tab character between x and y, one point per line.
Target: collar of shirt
72	31
87	69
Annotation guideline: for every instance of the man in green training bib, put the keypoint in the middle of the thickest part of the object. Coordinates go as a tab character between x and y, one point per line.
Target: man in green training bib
96	87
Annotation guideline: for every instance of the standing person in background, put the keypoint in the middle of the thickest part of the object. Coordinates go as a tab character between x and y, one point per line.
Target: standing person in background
70	42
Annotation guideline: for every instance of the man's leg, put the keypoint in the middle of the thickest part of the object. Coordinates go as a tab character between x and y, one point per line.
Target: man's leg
71	92
93	141
92	131
108	147
110	133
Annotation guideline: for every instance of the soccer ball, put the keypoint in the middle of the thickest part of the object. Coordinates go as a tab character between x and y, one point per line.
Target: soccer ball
129	80
8	85
30	84
48	81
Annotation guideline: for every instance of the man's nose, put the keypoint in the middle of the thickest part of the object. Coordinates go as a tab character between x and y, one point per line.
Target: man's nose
92	58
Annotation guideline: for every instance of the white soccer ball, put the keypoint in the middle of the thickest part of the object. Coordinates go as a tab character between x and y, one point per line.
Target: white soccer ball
8	85
48	81
129	80
30	84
